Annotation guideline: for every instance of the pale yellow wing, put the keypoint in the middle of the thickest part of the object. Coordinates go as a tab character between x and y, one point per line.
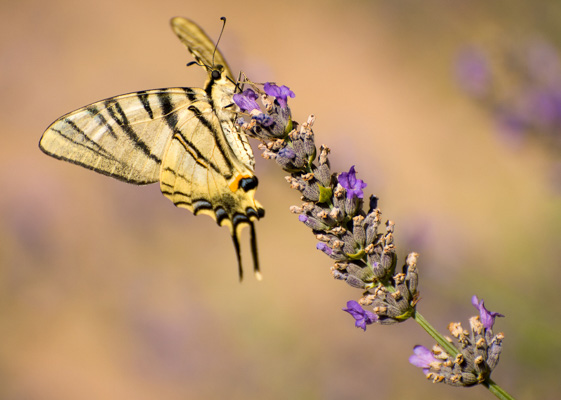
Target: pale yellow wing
124	137
199	44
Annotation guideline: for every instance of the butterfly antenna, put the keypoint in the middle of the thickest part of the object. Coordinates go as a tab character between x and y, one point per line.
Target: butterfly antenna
223	19
254	252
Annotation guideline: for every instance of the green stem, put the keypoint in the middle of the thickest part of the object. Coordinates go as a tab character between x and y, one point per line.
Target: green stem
498	391
450	349
441	340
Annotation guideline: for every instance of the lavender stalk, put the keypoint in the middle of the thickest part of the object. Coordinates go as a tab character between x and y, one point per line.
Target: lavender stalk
361	246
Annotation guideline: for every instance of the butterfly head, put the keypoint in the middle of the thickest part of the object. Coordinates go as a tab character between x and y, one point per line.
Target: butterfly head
219	75
220	88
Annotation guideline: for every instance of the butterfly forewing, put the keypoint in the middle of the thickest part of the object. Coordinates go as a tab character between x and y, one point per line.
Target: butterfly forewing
124	137
199	44
183	137
220	90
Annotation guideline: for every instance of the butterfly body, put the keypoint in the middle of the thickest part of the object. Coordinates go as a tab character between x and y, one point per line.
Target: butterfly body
184	138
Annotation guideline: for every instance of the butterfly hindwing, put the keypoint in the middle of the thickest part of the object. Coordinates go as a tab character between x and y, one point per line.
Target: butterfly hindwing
200	171
185	138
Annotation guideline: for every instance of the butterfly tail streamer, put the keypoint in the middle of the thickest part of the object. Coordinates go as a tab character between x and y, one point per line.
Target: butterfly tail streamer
253	238
253	241
236	240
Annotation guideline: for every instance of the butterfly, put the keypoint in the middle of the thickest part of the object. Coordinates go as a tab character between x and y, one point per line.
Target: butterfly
184	138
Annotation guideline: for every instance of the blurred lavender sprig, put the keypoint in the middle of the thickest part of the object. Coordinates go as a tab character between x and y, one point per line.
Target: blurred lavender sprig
521	88
361	246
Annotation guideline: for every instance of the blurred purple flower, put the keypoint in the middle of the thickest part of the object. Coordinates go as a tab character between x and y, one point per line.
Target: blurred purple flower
487	317
362	317
246	100
544	105
281	93
353	185
522	91
422	358
472	72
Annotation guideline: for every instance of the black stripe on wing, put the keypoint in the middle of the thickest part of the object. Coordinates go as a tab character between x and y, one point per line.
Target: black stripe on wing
143	97
118	115
74	161
190	94
170	114
87	142
100	119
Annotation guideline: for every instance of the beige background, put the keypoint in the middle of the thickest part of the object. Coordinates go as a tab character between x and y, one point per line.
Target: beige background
107	291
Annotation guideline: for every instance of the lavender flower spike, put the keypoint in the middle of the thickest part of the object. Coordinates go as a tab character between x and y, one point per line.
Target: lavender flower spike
281	93
362	317
246	100
487	317
353	185
422	358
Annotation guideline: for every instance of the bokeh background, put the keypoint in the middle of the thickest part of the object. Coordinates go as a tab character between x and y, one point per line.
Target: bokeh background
107	291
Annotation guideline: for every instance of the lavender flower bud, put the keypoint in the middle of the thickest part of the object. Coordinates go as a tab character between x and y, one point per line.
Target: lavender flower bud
323	175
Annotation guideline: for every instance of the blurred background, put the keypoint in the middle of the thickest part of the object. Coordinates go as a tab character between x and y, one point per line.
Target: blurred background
450	112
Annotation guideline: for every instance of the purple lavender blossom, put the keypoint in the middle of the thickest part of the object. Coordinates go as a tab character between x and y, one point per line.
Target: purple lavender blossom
322	246
353	185
487	317
264	119
362	317
545	105
287	152
280	93
246	100
422	358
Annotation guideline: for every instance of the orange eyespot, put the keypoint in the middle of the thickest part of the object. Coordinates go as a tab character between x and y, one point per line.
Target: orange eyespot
245	182
235	185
